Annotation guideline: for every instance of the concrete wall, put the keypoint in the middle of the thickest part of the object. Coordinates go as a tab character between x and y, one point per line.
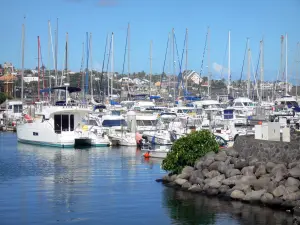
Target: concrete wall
274	151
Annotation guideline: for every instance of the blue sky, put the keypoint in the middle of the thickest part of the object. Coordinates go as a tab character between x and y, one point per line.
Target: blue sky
153	20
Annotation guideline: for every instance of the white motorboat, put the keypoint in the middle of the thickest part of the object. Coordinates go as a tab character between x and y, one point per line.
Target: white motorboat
160	152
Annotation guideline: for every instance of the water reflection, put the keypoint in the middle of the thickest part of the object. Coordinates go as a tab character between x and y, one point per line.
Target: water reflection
189	208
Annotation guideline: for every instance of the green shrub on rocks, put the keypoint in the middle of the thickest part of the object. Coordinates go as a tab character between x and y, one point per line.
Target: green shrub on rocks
186	150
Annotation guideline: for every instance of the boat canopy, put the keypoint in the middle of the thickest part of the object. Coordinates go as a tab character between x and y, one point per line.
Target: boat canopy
70	89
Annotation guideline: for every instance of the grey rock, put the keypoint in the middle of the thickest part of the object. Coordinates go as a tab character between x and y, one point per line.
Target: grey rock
232	153
295	172
261	170
214	184
272	185
218	178
240	164
195	188
233	160
289	204
279	172
232	172
279	191
275	202
173	177
186	185
206	187
205	172
212	174
237	194
270	166
180	181
291	196
252	161
248	171
294	164
266	197
292	182
291	189
222	167
199	181
183	176
196	174
221	156
227	161
261	183
223	188
214	165
242	187
246	180
212	191
266	176
254	195
207	180
296	211
207	162
231	181
188	170
230	166
198	164
166	178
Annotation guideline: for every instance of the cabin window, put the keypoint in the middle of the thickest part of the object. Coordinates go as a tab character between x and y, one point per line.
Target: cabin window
57	124
71	122
10	107
35	134
18	108
65	123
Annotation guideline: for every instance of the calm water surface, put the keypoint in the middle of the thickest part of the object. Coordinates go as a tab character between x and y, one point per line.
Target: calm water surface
40	185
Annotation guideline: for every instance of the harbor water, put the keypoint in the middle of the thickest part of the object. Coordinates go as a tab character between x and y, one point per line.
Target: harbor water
113	185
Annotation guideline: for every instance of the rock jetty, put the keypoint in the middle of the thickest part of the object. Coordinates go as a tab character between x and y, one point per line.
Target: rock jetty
231	177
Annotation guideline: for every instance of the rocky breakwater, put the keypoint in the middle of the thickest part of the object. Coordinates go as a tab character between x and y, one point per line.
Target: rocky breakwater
227	175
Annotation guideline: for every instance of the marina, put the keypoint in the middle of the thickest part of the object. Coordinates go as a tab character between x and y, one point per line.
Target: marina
150	112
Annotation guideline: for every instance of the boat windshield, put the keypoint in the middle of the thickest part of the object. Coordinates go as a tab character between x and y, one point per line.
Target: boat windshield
248	104
114	123
146	122
210	106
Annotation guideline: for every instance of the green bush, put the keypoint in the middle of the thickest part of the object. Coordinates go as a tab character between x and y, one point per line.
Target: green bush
3	97
186	150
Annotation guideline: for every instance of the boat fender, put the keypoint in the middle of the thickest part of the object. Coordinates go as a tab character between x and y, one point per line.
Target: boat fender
147	155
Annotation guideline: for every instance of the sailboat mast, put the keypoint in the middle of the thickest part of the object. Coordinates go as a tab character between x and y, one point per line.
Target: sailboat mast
48	63
297	70
67	54
86	82
229	76
82	71
186	61
91	60
150	74
208	63
112	63
22	75
249	70
128	50
286	64
56	52
261	69
38	67
174	72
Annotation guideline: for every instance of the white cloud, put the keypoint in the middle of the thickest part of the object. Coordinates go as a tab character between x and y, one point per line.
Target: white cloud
219	68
